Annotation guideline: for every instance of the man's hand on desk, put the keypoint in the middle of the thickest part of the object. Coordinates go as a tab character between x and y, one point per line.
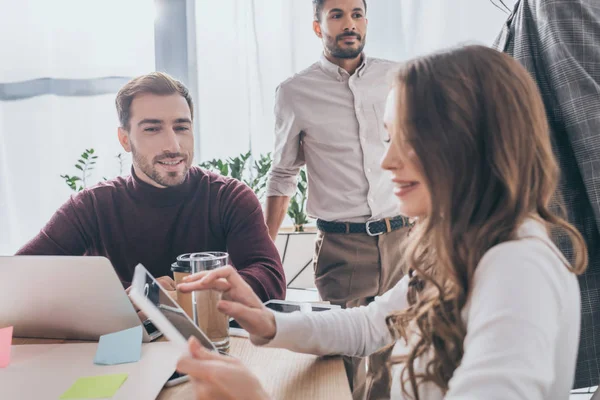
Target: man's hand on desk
167	283
239	300
219	377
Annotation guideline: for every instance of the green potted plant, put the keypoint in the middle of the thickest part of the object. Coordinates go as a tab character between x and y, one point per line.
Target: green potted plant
255	176
85	165
252	174
297	208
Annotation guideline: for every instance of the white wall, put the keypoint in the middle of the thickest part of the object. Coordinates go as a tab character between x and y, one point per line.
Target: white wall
403	29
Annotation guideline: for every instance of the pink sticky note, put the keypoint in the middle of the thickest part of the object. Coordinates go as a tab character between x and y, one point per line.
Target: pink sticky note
5	342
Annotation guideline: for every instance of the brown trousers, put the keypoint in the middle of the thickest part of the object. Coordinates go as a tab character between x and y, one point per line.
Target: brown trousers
350	270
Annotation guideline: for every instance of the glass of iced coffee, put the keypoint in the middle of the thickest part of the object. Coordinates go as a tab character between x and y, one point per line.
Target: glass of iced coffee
205	314
182	268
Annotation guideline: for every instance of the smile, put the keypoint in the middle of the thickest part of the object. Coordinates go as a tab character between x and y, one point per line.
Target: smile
404	188
170	163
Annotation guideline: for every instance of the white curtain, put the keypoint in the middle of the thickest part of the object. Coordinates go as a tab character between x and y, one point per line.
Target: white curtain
41	137
247	47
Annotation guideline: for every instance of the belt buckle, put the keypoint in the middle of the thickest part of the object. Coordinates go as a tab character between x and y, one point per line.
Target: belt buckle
368	224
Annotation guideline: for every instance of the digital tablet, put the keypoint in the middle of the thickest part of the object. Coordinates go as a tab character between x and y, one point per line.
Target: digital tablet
158	306
284	306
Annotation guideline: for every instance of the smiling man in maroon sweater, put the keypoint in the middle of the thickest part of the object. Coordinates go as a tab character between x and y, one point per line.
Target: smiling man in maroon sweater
167	207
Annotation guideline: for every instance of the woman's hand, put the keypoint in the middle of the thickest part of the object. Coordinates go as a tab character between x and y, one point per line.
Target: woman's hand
239	300
219	377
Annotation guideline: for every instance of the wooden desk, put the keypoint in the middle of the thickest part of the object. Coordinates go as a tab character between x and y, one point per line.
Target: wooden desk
285	375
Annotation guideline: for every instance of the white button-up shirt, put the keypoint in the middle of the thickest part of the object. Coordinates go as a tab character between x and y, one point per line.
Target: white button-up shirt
520	343
333	122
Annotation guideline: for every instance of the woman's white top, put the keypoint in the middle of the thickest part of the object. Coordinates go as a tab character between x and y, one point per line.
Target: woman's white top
522	324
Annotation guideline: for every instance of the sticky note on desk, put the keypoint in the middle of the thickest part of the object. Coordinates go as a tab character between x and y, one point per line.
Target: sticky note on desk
120	347
5	342
95	387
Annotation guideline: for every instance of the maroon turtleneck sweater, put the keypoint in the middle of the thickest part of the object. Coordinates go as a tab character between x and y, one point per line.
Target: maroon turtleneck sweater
130	222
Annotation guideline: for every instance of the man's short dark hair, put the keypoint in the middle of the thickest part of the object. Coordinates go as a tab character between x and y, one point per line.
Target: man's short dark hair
318	8
157	83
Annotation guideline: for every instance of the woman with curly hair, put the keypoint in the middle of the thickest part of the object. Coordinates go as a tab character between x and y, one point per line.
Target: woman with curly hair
490	308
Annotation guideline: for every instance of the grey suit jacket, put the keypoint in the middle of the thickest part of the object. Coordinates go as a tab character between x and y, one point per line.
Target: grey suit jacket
558	41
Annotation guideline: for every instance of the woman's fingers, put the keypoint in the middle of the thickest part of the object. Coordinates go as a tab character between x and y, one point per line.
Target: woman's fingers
223	279
200	353
206	365
198	369
256	321
228	273
234	309
219	377
195	277
211	279
199	359
221	285
194	346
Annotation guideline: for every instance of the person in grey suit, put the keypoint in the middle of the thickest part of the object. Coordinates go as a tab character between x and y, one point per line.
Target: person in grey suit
558	42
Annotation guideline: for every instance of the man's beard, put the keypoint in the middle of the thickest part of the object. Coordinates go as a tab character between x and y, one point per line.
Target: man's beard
167	179
347	53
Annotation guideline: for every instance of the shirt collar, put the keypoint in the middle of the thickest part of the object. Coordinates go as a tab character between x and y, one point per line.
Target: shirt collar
337	71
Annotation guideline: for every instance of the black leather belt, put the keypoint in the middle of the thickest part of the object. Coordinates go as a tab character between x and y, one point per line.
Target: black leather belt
371	228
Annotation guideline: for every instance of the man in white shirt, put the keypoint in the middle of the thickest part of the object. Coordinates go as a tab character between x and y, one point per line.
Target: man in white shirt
329	118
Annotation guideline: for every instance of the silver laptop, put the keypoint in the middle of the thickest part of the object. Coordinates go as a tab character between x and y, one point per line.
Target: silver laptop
64	297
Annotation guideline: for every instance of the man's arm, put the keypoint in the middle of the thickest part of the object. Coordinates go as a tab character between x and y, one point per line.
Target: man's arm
66	234
569	55
288	158
275	213
250	249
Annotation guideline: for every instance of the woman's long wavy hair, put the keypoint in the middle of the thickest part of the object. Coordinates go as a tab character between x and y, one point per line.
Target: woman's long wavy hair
477	124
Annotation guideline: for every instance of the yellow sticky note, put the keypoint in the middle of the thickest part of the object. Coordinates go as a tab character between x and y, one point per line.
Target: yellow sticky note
95	387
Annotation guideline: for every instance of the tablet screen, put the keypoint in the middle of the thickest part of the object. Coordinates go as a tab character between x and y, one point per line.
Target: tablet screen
161	299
